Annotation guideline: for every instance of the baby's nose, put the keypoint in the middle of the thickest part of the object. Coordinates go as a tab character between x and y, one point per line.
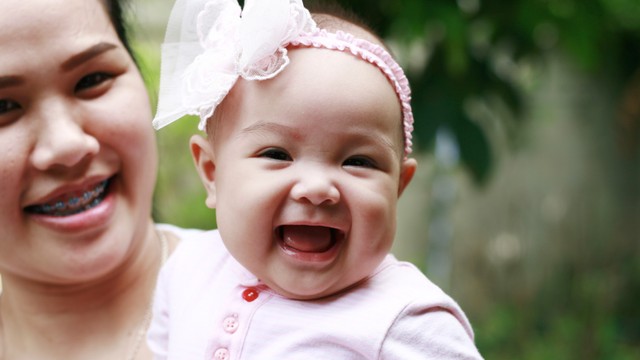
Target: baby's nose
317	188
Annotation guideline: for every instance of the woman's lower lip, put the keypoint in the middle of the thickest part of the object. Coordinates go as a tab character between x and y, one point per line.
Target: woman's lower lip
87	220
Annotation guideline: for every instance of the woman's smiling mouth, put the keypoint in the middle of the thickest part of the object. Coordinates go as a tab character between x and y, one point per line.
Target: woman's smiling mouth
72	203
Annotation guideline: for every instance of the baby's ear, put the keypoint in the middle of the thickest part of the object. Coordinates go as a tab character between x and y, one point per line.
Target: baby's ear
204	160
407	171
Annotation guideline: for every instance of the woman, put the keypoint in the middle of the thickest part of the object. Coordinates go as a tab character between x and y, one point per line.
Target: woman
79	252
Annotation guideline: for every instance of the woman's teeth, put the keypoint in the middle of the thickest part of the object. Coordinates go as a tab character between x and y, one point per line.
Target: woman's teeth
72	205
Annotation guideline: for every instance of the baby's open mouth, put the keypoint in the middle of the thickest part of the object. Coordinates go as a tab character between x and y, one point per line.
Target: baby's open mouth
72	203
308	239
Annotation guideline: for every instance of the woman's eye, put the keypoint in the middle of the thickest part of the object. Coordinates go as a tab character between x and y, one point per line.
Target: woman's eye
359	161
7	105
92	80
276	154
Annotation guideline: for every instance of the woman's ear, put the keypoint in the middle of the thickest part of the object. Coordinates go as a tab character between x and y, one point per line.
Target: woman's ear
204	160
407	171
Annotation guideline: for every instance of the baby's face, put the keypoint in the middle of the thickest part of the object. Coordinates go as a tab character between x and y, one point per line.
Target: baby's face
308	170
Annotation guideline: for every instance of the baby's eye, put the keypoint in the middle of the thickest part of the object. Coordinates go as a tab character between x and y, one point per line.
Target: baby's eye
276	154
7	105
92	80
360	161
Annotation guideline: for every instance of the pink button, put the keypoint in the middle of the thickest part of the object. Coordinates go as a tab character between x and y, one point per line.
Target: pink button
230	323
221	354
250	294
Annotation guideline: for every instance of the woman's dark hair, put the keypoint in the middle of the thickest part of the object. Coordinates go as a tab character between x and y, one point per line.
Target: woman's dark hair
115	11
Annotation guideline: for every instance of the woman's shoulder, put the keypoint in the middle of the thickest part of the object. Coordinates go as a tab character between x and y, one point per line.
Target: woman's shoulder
191	243
192	236
198	256
184	233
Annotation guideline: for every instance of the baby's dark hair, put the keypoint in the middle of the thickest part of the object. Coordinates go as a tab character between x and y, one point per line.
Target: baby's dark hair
335	10
332	16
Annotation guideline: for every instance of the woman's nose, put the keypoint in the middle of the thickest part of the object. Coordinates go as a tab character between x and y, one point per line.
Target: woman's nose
61	138
316	187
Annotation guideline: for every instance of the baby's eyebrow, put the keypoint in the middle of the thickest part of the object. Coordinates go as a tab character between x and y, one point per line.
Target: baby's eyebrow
270	127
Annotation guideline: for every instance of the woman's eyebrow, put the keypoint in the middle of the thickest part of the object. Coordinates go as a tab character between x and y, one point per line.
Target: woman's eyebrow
87	55
8	81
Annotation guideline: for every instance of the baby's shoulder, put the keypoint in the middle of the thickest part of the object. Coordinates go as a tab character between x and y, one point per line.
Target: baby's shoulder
404	280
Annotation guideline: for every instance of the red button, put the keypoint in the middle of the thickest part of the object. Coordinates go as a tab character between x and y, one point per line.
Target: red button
250	294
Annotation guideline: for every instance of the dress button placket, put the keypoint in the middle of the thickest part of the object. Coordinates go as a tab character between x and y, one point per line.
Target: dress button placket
231	323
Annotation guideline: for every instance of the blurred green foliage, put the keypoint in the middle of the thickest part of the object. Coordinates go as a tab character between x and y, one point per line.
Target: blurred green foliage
471	50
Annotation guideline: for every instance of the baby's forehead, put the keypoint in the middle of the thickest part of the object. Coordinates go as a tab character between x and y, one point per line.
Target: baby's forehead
318	84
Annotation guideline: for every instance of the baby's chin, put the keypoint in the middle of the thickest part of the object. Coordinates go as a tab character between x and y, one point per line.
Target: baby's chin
300	290
305	295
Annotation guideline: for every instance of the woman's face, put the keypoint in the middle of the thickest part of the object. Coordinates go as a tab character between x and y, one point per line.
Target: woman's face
77	151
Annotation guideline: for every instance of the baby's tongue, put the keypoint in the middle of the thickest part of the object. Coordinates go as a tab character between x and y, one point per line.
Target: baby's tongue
307	238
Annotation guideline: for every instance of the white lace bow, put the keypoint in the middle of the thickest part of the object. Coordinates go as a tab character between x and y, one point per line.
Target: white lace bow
209	44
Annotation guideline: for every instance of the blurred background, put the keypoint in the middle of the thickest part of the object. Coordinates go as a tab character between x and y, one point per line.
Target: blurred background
526	206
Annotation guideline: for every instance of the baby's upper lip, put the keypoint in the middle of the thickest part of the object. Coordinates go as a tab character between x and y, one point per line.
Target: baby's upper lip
331	225
55	192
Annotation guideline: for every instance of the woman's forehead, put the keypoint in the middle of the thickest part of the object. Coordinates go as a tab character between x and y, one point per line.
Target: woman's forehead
73	19
61	31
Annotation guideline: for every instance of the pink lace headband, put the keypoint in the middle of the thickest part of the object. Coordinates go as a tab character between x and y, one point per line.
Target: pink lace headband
211	43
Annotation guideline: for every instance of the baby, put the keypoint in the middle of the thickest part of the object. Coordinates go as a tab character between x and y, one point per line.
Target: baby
308	127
